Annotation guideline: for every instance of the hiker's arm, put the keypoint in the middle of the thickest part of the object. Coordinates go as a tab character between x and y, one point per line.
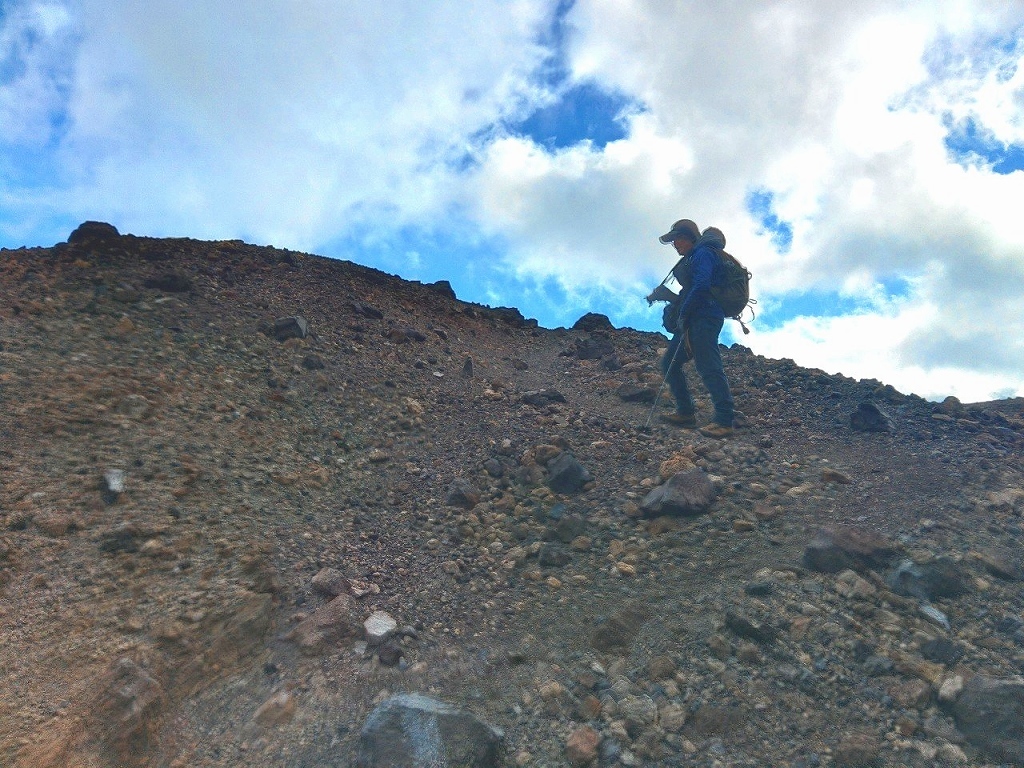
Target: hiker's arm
700	288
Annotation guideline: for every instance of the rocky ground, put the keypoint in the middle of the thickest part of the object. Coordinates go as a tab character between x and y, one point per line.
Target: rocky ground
250	495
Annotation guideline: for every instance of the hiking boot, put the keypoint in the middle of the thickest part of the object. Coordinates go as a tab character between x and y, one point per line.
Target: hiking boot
684	420
716	430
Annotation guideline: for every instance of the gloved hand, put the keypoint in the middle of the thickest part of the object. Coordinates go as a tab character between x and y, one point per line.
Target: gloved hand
661	293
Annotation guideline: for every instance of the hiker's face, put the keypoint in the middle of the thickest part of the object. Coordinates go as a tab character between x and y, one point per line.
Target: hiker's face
683	246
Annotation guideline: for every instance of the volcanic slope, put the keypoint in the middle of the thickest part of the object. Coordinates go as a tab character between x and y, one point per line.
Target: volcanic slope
217	460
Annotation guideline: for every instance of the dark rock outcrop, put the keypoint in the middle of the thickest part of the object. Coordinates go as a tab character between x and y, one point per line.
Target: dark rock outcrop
990	713
412	731
91	232
870	418
685	493
846	547
290	328
592	321
566	474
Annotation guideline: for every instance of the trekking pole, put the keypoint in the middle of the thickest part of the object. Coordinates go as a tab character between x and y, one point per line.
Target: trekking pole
647	425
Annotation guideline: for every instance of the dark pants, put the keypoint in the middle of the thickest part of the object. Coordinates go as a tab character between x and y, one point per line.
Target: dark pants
708	362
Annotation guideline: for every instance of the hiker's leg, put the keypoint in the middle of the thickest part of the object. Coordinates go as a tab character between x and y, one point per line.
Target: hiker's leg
708	361
674	376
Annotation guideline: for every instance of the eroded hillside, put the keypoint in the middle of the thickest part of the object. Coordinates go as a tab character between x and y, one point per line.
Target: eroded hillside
219	460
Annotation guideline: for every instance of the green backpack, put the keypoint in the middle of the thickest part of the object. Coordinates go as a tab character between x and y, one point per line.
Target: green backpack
732	294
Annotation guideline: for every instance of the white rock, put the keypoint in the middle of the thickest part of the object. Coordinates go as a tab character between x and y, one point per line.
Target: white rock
115	479
951	688
379	627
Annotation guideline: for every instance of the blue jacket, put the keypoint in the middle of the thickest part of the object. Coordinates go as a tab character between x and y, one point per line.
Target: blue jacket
705	270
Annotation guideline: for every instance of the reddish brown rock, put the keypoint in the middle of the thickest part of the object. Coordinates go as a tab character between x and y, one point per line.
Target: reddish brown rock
581	747
329	625
331	582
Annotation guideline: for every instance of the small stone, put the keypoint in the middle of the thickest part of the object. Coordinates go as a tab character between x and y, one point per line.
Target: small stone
685	493
1000	563
951	688
842	547
390	654
661	668
462	493
625	569
590	707
326	626
749	653
951	754
277	710
581	749
632	392
989	712
619	631
410	730
912	694
672	717
850	585
55	524
639	712
680	462
553	556
581	544
115	481
551	690
135	407
857	751
313	363
331	582
830	475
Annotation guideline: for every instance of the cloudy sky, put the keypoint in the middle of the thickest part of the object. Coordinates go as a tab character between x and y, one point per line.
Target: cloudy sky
865	159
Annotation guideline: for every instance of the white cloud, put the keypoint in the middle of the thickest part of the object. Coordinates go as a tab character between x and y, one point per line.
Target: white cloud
833	109
288	122
31	72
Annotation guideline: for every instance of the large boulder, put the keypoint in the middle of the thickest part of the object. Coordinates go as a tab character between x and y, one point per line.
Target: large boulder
412	731
294	327
870	418
90	232
939	578
566	474
462	493
990	713
685	493
592	321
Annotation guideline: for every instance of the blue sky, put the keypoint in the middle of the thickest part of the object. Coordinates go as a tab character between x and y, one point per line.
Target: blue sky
865	161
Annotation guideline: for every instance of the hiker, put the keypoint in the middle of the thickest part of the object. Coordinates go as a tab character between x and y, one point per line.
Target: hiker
695	319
